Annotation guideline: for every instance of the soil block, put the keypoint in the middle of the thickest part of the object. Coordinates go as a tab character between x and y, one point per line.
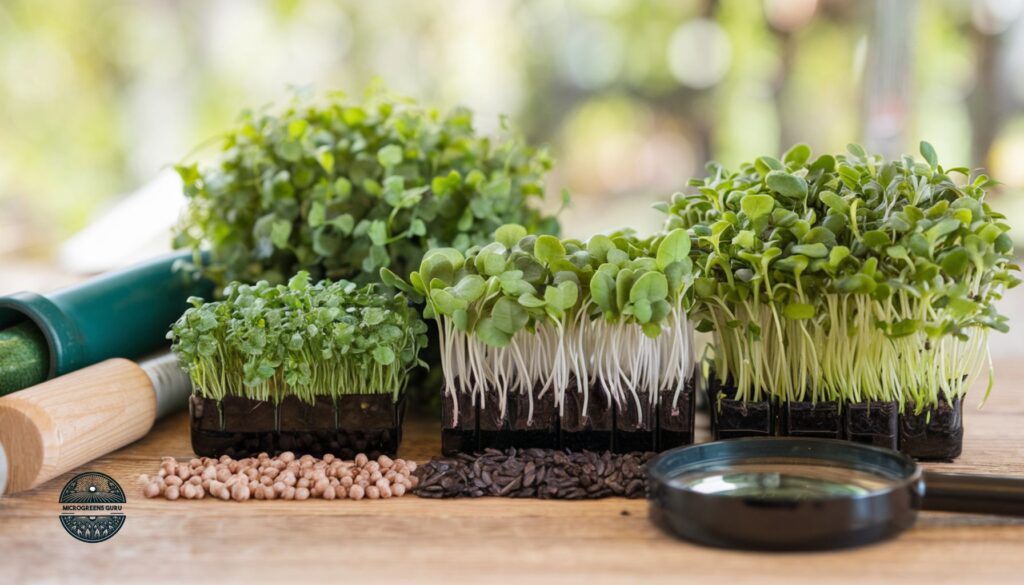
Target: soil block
212	438
634	424
240	427
676	417
732	419
307	428
937	433
872	423
820	420
368	423
459	436
494	430
590	430
540	431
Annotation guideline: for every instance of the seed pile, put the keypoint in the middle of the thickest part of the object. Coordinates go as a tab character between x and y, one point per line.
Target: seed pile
282	477
535	473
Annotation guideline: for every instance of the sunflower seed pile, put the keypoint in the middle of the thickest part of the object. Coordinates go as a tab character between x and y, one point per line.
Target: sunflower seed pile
535	473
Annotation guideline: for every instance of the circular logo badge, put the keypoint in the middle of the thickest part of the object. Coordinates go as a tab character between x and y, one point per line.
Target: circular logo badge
92	507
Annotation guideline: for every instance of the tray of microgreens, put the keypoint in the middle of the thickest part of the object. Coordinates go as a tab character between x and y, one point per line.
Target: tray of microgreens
562	343
849	296
312	368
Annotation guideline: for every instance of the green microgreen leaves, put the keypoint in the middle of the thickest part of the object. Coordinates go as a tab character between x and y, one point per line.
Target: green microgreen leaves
787	185
342	190
755	206
674	248
849	266
520	284
302	339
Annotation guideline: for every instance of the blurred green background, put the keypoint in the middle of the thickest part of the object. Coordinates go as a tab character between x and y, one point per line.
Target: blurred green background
97	97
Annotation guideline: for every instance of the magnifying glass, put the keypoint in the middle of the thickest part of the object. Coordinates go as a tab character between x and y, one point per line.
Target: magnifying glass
808	494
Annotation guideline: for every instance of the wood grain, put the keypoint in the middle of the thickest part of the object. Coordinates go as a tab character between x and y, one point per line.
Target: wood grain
61	424
489	540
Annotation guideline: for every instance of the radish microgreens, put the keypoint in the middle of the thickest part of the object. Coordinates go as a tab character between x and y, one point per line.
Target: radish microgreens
538	315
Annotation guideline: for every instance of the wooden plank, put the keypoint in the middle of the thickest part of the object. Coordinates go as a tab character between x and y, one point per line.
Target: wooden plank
488	540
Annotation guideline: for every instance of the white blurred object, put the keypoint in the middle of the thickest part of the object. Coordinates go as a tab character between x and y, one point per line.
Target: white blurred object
136	227
699	53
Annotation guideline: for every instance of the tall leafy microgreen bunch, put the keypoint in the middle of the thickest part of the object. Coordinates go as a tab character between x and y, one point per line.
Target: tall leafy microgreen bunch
847	277
340	189
538	315
267	342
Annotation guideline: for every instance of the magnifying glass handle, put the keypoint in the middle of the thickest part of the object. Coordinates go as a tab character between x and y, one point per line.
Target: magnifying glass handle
974	494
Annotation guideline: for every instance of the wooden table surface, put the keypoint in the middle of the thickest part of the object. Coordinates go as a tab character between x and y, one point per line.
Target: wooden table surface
489	540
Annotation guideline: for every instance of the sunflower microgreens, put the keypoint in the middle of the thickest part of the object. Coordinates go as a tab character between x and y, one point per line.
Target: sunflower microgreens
846	277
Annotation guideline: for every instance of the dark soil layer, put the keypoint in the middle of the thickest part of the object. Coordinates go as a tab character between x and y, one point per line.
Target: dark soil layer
540	431
237	412
635	424
240	427
937	433
604	426
676	418
295	415
820	420
872	423
590	430
494	426
459	435
732	419
207	443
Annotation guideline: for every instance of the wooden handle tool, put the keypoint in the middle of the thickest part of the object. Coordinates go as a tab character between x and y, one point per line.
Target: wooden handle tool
54	427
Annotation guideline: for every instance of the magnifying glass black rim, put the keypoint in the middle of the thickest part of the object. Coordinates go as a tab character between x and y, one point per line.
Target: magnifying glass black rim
806	523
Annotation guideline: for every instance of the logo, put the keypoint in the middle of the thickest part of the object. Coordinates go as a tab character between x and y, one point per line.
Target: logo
91	507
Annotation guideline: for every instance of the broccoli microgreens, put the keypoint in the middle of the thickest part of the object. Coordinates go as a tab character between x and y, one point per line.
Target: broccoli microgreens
340	189
267	342
535	314
846	277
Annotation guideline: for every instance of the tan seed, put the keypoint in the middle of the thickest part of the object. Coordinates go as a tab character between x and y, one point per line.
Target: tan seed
240	492
356	492
152	489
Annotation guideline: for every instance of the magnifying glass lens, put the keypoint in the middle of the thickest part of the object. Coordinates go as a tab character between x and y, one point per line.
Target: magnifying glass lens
783	493
782	480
